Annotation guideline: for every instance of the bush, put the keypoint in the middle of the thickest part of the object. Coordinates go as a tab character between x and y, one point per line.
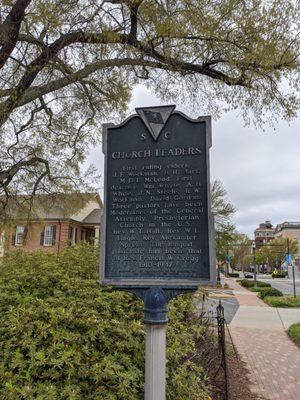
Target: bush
285	301
294	333
234	275
258	289
270	292
279	274
63	337
246	283
262	284
250	284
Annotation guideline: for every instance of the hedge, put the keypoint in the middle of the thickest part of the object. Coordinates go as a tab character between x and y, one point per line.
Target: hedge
279	274
284	301
250	284
270	292
294	333
62	337
233	275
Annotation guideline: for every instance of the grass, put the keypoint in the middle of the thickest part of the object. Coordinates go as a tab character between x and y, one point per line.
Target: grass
257	289
294	333
282	301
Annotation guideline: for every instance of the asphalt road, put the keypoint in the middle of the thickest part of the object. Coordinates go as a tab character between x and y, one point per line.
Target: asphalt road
286	287
210	307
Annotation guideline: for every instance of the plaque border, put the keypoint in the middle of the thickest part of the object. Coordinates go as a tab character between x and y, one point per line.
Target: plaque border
142	283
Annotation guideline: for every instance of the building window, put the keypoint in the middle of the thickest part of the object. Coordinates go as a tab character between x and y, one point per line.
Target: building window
48	235
73	235
19	238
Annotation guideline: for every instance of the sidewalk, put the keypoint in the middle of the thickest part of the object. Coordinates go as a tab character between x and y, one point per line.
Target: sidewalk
258	332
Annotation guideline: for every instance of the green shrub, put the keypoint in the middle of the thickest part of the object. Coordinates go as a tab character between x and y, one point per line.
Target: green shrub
285	301
246	283
226	286
234	275
270	292
279	274
294	333
63	337
258	289
250	284
262	284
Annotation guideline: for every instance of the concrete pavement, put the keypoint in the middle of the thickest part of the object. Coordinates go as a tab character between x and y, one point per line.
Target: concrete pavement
258	332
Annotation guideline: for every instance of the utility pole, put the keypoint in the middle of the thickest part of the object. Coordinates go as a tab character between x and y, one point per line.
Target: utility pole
254	261
289	263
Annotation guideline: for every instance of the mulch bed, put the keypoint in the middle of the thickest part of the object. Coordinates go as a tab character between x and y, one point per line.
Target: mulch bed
239	382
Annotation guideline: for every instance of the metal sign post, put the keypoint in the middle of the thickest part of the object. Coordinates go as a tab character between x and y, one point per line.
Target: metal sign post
156	322
254	261
157	233
294	280
289	262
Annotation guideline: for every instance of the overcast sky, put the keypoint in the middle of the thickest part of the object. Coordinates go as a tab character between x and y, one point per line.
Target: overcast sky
260	170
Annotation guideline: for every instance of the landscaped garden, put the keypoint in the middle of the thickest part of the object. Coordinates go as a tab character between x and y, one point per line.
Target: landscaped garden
62	336
273	297
294	333
283	301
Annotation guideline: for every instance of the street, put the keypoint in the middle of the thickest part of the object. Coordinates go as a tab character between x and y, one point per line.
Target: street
284	285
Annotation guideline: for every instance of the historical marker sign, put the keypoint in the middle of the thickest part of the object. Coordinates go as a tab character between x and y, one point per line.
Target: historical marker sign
157	228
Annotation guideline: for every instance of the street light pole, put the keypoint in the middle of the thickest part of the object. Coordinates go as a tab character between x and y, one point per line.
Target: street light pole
254	260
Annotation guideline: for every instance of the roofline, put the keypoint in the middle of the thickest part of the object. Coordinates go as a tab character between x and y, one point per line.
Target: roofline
51	219
282	228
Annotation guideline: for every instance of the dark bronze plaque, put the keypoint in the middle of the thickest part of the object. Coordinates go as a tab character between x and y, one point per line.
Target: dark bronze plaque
157	227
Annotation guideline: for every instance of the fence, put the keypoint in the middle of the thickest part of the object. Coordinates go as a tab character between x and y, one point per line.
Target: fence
222	348
216	323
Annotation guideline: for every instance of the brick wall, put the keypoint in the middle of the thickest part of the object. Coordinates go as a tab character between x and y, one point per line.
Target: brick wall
33	236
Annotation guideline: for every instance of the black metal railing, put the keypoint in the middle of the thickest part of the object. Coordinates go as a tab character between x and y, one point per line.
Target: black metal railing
221	322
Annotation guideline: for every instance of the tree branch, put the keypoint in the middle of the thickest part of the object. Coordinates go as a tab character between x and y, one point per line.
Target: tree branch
6	176
9	30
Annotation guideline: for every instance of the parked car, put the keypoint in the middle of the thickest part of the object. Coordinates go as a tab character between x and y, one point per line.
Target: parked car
248	275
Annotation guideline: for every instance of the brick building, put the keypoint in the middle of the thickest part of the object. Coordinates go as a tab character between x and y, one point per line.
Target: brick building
52	228
290	230
264	234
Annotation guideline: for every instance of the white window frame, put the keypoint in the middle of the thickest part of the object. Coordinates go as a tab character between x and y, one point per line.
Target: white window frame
74	234
48	235
19	237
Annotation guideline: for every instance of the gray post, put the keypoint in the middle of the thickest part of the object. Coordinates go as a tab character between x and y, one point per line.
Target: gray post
155	320
155	375
294	282
254	260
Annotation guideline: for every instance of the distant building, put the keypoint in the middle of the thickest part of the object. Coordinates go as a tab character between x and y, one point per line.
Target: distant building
54	224
290	230
264	234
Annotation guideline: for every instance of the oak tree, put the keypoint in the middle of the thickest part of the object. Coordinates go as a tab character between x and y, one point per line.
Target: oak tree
68	65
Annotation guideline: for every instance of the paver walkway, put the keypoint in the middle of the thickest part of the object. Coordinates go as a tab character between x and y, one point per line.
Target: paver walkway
258	333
